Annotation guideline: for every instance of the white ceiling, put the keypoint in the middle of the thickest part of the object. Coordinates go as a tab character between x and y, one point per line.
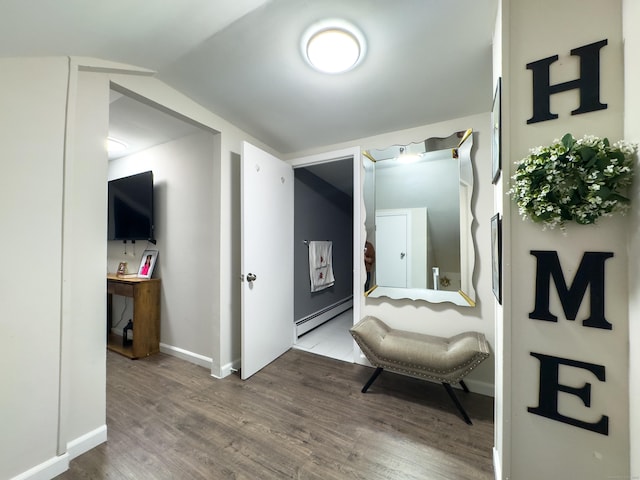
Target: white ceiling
427	60
140	126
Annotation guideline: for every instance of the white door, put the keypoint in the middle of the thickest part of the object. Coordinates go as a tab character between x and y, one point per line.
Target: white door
266	258
391	250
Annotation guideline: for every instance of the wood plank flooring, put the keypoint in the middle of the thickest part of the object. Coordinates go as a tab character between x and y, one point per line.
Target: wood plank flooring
302	417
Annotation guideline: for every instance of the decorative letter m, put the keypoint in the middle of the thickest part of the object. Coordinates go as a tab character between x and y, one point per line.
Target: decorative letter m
590	272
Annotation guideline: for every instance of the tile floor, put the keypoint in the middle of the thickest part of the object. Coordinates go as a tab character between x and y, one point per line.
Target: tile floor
331	339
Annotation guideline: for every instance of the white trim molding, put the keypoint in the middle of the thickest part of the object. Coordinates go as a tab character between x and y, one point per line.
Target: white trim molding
192	357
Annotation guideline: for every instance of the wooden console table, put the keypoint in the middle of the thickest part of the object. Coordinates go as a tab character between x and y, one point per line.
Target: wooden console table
146	315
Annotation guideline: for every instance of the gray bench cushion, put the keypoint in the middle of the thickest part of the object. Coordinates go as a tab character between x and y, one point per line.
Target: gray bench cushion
446	360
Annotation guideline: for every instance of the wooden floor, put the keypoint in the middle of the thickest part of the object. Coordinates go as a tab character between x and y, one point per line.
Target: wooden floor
302	417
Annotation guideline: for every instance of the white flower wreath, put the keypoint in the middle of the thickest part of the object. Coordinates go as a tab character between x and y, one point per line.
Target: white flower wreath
577	180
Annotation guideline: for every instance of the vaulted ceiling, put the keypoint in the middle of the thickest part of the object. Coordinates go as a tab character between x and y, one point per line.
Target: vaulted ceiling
426	60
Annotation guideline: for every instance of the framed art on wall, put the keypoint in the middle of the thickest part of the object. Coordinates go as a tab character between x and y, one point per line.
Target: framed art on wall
496	257
147	263
496	132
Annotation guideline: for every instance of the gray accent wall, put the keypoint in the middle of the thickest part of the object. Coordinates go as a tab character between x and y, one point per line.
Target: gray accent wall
322	212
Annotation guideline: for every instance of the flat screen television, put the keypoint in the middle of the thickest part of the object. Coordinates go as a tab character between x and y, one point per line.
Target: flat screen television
130	209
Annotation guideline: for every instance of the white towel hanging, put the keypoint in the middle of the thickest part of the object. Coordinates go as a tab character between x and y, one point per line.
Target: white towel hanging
321	265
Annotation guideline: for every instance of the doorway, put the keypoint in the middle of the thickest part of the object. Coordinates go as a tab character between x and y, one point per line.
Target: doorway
324	211
267	244
179	153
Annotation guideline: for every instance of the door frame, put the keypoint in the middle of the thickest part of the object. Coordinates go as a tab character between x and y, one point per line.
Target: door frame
358	224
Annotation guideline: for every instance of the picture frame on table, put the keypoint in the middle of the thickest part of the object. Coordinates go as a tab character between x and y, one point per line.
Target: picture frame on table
122	269
147	263
496	257
496	133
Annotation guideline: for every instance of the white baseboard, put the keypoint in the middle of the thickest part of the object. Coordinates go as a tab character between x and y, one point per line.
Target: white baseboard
303	325
227	369
216	373
196	358
55	466
483	388
86	442
46	470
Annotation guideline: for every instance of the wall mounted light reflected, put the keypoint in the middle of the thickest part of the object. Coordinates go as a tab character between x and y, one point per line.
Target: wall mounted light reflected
407	157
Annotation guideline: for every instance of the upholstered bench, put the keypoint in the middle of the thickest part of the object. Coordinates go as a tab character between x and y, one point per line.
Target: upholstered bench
445	360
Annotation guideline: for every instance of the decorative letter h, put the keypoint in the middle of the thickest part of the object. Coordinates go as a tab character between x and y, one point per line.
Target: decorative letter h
588	83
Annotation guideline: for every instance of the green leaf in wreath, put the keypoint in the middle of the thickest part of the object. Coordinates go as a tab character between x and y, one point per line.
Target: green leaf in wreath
588	156
604	193
583	190
618	155
619	198
602	163
568	141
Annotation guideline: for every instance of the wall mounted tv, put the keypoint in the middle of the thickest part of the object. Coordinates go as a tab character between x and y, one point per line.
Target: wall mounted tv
130	214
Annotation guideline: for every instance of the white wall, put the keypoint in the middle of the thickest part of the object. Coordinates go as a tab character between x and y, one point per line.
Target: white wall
446	319
540	447
53	200
183	190
54	165
33	100
631	34
83	376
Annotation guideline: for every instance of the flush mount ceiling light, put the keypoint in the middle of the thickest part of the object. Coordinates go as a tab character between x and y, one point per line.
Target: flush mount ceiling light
333	46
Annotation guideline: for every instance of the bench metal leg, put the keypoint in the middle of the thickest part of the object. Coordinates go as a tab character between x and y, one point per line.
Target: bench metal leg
464	386
447	387
457	402
372	379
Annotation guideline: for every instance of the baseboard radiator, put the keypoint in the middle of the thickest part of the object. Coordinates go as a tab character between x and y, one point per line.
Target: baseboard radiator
305	324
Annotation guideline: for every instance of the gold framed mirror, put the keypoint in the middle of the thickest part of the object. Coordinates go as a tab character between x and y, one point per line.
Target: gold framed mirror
420	226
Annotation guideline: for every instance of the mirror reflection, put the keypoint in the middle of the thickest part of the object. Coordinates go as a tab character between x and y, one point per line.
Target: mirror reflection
420	230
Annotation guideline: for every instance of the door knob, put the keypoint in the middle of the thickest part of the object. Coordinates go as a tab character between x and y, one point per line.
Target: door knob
402	254
251	277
